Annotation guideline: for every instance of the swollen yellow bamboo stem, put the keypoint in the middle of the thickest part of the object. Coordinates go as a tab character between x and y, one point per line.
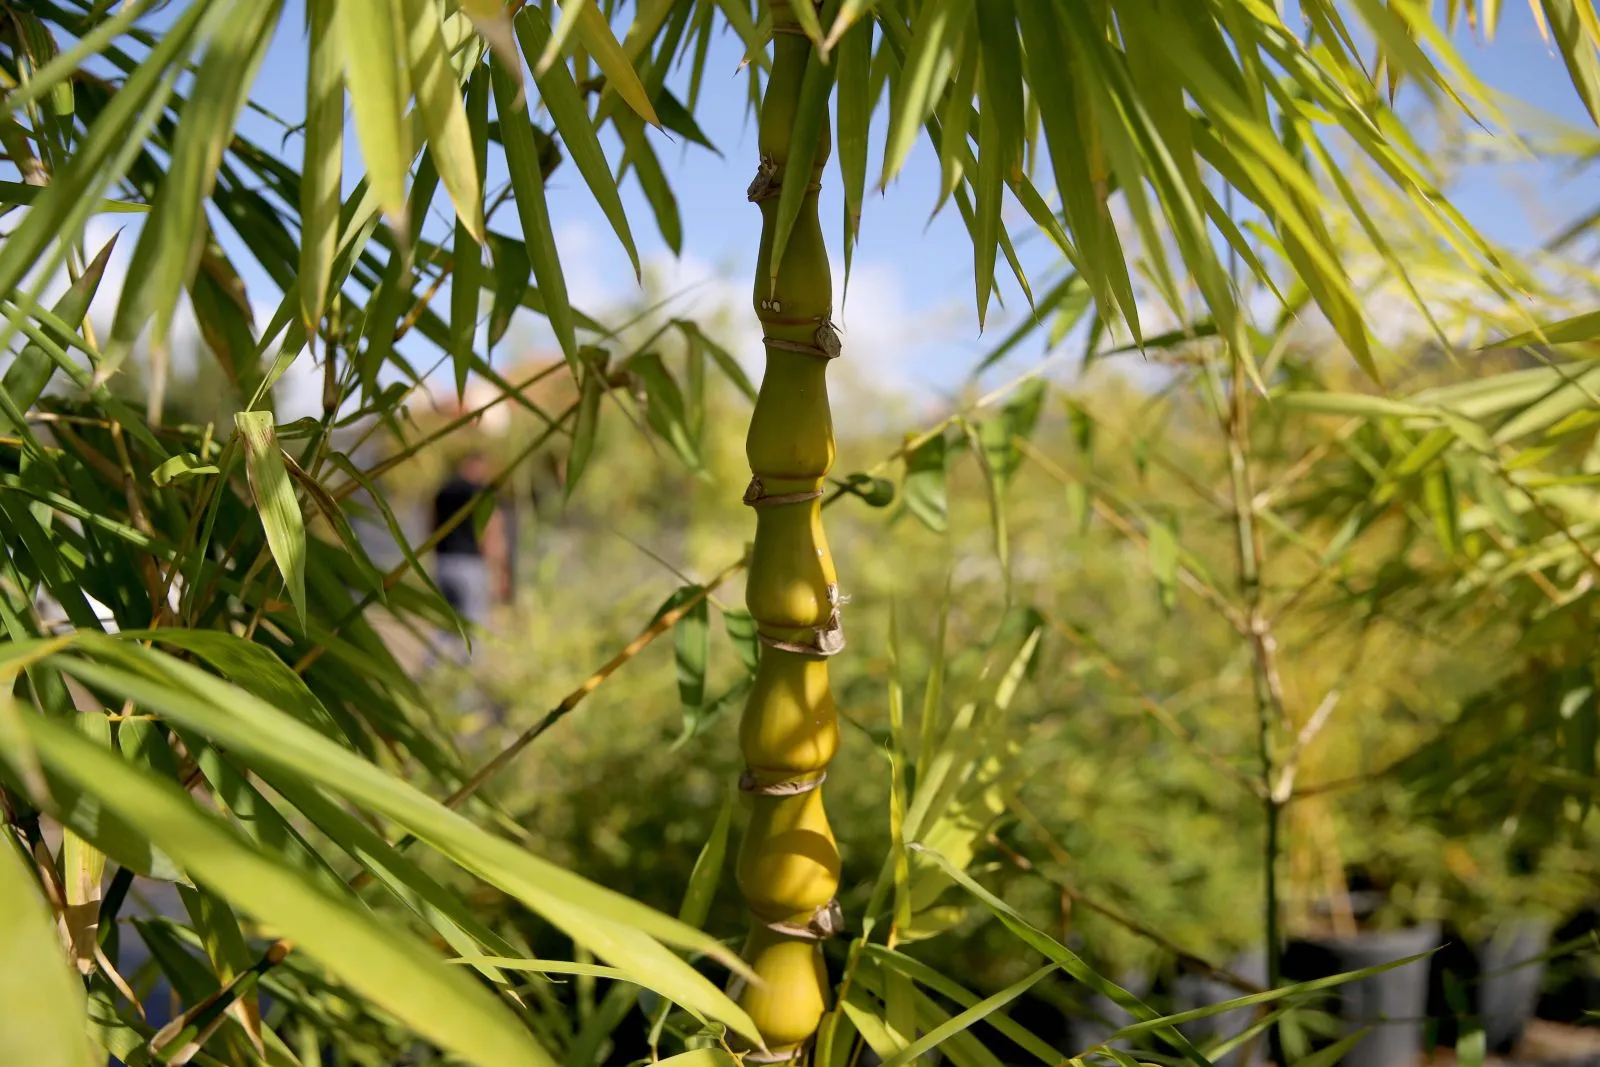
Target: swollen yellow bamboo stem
789	865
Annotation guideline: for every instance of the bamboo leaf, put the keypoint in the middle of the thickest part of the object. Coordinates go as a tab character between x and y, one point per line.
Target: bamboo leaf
376	75
664	406
394	970
912	97
41	1001
511	271
467	258
438	93
595	33
590	391
613	926
691	648
811	115
275	502
25	380
562	99
322	165
854	110
1059	954
169	246
925	491
990	190
724	360
977	1012
493	24
571	12
741	627
522	159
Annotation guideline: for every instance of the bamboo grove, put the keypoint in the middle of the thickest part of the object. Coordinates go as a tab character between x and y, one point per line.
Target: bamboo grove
237	687
788	866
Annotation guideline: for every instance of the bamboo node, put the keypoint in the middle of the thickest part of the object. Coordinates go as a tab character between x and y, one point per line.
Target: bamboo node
789	787
755	496
828	639
825	922
766	172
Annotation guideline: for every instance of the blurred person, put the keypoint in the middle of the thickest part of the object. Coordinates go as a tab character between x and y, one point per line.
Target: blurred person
471	568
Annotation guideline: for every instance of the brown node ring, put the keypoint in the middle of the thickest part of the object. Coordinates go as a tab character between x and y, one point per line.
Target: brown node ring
827	921
828	639
788	787
827	344
755	496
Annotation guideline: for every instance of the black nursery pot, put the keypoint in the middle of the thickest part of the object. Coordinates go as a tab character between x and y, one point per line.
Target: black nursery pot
1191	992
1509	980
1099	1016
1498	977
1394	1003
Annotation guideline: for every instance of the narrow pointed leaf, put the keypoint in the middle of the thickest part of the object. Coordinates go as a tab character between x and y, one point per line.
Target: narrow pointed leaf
275	502
522	159
322	167
438	93
41	999
376	74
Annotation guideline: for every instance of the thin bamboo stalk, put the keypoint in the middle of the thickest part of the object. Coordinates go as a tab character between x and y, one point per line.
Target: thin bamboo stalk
788	868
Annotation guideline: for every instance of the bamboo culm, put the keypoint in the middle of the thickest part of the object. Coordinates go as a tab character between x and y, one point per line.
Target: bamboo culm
788	868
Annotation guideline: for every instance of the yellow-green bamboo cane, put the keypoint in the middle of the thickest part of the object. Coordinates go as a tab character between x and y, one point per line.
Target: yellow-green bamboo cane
789	865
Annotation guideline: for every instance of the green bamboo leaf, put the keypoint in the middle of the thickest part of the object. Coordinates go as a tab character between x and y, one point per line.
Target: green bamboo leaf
322	165
169	245
593	387
41	1000
976	1013
664	406
926	492
990	191
955	120
678	119
913	96
854	113
595	33
730	367
467	257
1350	404
570	14
30	372
737	12
811	116
522	159
702	889
616	928
806	15
250	666
1059	954
562	99
511	271
395	971
104	155
741	627
953	990
1164	561
493	24
638	154
275	501
1574	395
1002	78
376	75
438	93
701	1057
691	648
16	194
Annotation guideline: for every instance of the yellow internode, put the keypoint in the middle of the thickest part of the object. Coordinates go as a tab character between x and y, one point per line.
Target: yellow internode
788	868
795	731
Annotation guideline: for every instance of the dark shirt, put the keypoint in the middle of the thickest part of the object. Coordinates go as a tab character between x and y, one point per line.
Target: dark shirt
451	498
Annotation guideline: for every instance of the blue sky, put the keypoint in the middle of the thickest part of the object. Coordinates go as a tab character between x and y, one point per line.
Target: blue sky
910	318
